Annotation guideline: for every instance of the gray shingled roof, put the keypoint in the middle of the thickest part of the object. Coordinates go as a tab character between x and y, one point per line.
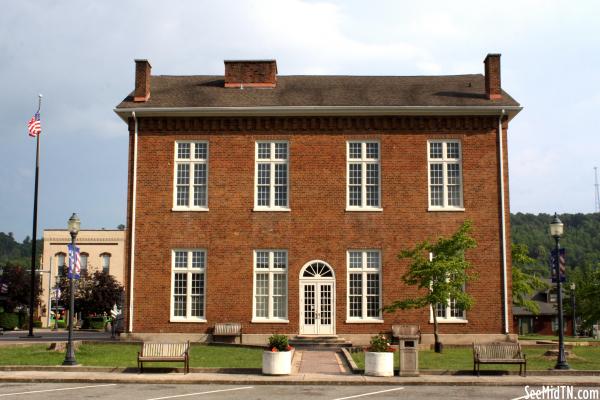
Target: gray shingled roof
541	298
322	91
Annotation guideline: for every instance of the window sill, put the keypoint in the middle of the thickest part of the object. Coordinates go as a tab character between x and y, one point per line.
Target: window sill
364	321
280	209
188	320
364	209
189	209
451	209
450	321
270	321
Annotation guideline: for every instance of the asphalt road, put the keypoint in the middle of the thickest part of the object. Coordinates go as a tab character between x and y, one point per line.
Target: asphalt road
46	391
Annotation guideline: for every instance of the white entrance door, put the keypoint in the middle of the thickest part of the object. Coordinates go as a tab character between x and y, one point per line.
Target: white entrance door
317	300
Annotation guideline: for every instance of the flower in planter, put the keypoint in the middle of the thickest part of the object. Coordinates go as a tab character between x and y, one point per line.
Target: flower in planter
380	344
279	343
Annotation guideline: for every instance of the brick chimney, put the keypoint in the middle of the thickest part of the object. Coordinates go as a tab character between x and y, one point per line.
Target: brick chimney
493	90
250	73
142	80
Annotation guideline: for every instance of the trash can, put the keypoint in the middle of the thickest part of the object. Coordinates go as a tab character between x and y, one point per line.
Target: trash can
409	358
408	336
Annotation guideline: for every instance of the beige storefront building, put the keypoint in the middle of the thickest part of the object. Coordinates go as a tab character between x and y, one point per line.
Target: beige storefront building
100	250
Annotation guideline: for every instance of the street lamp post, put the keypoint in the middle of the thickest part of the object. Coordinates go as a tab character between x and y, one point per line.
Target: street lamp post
573	309
556	231
73	230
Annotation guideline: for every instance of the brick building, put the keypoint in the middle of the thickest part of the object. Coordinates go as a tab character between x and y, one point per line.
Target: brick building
546	321
100	250
281	202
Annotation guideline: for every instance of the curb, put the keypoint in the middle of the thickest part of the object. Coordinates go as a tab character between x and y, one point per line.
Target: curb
437	372
295	380
127	370
258	371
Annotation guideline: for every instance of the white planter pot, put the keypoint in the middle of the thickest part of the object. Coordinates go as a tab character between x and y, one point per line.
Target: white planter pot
379	364
277	362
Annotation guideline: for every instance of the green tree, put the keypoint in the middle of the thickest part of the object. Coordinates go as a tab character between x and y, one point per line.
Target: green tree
438	278
16	285
524	285
587	296
94	294
17	253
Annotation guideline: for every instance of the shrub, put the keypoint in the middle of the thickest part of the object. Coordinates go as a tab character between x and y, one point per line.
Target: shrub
9	321
36	324
279	343
94	323
380	344
62	324
23	320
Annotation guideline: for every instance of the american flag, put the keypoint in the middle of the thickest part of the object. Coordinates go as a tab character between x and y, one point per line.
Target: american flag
74	262
34	126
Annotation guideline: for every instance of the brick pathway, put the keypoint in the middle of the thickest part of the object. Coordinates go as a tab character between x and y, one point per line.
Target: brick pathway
322	362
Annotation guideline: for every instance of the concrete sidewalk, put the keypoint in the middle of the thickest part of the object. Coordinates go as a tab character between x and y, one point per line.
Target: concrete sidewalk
73	375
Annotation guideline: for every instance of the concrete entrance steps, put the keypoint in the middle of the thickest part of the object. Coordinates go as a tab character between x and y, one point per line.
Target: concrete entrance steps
306	342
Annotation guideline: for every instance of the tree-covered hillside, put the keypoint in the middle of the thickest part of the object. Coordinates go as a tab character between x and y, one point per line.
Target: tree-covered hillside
581	238
15	253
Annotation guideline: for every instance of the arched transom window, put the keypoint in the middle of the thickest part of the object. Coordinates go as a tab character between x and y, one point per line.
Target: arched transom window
317	270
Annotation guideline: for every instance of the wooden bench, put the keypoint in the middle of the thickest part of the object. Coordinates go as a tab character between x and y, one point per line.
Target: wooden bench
228	329
498	353
164	352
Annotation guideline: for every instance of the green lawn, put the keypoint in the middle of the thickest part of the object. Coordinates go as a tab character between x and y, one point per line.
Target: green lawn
456	359
567	338
125	355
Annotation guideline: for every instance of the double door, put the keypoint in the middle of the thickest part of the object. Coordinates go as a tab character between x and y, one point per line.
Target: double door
317	306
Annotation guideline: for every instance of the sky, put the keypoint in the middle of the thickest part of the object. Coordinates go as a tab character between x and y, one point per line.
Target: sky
79	55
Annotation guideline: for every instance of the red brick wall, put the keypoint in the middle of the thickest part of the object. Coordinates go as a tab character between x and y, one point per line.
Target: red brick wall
250	73
542	325
318	227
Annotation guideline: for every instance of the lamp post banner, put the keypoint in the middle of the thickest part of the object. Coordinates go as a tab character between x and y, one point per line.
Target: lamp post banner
562	264
74	262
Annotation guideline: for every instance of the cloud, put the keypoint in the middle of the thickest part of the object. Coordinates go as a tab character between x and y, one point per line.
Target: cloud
80	56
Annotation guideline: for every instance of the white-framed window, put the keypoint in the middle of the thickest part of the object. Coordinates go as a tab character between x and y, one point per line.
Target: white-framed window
188	277
83	259
450	312
364	285
271	177
61	267
445	175
105	258
270	286
190	186
363	183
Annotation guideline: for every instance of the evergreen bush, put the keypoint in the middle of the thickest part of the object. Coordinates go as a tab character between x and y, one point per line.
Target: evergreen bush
9	321
279	343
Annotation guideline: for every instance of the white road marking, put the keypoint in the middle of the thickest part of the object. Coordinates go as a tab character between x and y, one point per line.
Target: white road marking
56	390
520	398
368	394
201	393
